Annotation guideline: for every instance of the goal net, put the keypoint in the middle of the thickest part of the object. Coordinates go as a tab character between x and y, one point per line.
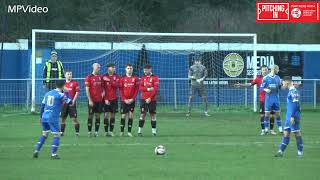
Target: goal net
229	58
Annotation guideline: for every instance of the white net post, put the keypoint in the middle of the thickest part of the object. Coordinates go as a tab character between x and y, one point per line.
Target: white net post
33	72
255	72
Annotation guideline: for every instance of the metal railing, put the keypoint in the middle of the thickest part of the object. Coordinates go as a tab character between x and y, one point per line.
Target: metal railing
173	93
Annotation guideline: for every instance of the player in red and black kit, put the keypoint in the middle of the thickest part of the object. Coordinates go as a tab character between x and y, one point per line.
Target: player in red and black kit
149	85
110	84
258	81
129	87
73	88
94	91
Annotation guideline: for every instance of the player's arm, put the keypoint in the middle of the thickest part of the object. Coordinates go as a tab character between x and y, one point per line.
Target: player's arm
87	83
88	95
190	74
121	91
136	88
253	82
238	85
103	92
155	87
264	86
295	104
143	88
242	85
66	98
43	103
295	108
205	74
77	88
105	96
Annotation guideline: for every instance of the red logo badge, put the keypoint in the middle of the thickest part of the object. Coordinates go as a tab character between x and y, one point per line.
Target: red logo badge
294	11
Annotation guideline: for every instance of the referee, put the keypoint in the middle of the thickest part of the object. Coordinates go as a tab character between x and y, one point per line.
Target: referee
52	71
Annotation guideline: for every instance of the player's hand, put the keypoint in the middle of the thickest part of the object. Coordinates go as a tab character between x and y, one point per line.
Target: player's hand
267	90
73	103
199	80
106	79
285	83
40	120
148	100
237	85
90	103
127	101
150	89
107	102
191	77
292	120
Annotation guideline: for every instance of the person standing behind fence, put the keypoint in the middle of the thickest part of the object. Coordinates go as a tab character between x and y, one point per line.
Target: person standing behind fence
53	69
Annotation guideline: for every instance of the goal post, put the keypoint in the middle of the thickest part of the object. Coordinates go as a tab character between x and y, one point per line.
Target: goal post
170	54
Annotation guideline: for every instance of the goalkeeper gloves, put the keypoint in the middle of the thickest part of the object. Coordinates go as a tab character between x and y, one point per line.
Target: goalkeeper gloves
200	80
191	77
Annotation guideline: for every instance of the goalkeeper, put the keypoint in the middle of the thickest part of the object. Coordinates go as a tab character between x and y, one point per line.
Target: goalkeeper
197	74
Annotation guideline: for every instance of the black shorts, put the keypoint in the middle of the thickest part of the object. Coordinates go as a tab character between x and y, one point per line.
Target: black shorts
69	110
262	111
96	108
112	107
125	108
145	107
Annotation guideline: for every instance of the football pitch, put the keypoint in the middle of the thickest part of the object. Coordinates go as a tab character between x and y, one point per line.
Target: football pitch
226	145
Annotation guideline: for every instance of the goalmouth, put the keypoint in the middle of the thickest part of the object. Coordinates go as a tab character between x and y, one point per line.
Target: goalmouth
224	54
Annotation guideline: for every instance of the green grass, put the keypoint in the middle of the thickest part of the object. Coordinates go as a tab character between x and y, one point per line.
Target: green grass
224	146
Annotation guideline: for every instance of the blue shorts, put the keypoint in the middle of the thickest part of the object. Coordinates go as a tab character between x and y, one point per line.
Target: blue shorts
54	127
292	128
271	106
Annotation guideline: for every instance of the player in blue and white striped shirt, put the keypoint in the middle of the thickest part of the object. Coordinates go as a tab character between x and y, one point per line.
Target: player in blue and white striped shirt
49	118
292	123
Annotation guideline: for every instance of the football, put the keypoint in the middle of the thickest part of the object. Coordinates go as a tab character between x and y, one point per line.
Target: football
160	150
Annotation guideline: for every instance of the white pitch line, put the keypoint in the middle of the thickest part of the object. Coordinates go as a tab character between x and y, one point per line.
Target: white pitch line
15	114
258	143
